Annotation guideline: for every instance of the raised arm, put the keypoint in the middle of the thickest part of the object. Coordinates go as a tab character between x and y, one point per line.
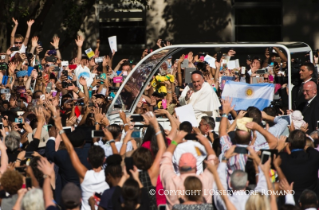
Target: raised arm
173	130
154	170
27	35
220	187
55	44
47	169
78	166
4	157
266	168
13	33
224	121
271	139
281	54
79	43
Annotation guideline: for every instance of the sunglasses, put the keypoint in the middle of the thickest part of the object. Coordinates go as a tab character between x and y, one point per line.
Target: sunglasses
18	42
265	78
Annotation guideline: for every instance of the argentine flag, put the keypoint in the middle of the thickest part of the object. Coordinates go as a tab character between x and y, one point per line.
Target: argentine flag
244	95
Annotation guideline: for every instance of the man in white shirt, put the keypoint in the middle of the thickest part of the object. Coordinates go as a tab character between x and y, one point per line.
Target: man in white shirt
201	96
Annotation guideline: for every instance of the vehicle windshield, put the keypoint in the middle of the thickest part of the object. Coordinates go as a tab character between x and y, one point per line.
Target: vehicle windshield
135	82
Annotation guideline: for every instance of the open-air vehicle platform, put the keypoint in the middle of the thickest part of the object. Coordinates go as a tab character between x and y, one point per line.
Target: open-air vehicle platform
134	85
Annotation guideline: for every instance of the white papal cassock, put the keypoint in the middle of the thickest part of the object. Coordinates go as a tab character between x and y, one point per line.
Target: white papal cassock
204	101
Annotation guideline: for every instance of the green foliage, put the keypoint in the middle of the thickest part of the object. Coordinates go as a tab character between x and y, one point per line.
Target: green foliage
73	16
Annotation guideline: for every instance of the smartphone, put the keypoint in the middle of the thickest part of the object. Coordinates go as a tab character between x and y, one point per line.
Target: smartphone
52	52
265	156
136	134
67	129
1	125
48	88
98	60
18	120
50	59
72	66
162	207
14	49
191	137
177	91
5	91
28	154
261	71
65	73
218	119
64	63
186	57
137	118
243	70
3	57
20	113
287	118
128	164
97	134
241	150
28	182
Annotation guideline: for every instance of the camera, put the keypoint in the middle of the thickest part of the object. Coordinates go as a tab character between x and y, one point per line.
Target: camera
66	84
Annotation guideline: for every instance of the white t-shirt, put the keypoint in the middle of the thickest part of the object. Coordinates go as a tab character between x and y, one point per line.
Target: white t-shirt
94	182
189	146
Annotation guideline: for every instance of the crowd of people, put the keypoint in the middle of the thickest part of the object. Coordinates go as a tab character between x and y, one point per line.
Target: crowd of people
60	151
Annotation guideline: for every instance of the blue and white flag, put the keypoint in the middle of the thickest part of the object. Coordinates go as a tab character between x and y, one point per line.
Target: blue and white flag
244	95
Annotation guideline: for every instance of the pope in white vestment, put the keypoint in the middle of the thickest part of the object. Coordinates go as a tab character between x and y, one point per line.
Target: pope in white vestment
201	96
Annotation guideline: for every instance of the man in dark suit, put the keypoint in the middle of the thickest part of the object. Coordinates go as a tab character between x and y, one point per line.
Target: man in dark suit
307	73
310	108
61	158
301	165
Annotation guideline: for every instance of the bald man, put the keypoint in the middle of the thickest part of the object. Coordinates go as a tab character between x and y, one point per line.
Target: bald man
201	96
310	108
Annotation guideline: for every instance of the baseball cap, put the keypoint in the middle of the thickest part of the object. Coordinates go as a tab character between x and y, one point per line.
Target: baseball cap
71	196
187	162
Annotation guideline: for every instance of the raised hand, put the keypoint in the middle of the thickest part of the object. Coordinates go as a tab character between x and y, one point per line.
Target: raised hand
45	167
71	121
79	41
34	41
15	21
55	42
108	134
181	59
30	22
158	43
226	103
82	81
231	53
98	116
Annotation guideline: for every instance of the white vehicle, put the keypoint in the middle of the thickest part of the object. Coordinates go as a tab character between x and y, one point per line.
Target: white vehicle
133	87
